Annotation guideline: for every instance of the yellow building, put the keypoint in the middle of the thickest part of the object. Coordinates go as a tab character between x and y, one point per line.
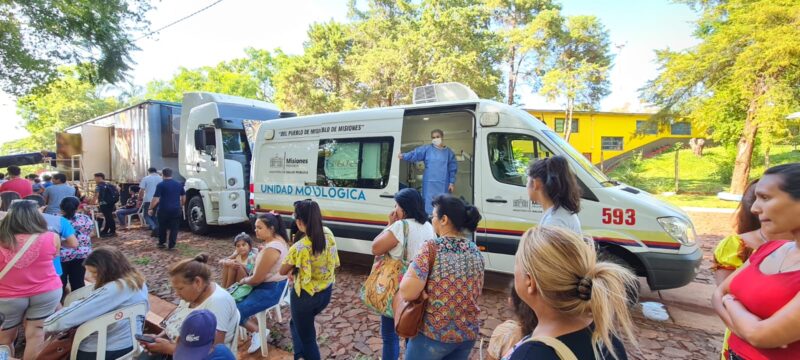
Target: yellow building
604	136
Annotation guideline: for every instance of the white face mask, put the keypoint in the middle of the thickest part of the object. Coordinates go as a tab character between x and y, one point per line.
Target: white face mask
436	142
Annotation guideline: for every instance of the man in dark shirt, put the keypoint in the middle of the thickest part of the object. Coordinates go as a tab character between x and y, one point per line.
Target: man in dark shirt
102	199
169	199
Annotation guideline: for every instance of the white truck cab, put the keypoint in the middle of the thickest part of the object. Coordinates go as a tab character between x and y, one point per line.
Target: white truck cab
216	153
348	163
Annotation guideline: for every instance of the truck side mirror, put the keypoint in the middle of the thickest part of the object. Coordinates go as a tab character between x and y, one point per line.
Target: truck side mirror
199	140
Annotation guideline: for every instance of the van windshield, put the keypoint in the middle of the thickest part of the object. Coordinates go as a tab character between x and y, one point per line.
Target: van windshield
580	159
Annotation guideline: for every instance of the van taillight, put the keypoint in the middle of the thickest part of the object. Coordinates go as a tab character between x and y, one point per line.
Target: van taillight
252	189
252	199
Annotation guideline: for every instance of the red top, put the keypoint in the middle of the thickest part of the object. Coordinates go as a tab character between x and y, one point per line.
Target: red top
18	185
763	295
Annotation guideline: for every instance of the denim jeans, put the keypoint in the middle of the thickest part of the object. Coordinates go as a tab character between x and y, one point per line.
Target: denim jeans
262	297
422	347
152	221
391	342
304	309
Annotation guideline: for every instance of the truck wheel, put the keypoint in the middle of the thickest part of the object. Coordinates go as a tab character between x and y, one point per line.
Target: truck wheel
196	216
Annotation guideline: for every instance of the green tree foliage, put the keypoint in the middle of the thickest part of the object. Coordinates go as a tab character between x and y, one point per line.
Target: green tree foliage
36	36
386	51
248	77
55	106
742	79
579	75
320	80
529	30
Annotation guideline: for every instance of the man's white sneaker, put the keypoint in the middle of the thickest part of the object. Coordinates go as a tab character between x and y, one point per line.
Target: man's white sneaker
255	343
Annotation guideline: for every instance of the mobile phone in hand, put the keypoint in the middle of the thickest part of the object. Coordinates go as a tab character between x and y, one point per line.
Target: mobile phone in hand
145	338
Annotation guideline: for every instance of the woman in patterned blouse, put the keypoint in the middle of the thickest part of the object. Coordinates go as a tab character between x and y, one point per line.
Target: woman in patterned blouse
72	259
453	284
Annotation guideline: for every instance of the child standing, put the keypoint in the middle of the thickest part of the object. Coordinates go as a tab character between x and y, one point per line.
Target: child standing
240	263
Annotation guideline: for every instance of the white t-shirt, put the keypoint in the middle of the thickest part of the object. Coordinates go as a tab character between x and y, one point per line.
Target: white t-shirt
563	218
417	234
220	303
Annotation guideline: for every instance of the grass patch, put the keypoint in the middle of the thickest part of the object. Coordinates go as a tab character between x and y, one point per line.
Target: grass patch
187	250
144	260
704	176
703	201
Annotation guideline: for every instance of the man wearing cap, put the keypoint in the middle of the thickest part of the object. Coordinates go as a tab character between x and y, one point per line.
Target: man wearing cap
197	339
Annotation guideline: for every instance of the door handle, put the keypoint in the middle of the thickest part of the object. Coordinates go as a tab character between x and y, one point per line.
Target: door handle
388	196
495	200
310	183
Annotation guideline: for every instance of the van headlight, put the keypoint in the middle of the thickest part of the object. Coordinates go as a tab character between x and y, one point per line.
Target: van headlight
233	196
231	181
679	229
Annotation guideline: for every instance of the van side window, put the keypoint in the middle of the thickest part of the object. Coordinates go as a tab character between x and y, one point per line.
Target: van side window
510	154
355	163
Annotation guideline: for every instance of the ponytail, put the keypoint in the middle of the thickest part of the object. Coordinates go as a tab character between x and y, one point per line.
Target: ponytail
571	281
560	183
309	213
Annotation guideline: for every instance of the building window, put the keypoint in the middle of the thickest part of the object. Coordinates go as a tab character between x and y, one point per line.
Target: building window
355	163
681	128
559	125
510	154
646	127
611	142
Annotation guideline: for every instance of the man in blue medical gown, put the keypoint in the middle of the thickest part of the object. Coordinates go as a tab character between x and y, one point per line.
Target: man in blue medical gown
440	167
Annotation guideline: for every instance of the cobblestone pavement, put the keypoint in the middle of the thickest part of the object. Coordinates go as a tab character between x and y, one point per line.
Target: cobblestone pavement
347	330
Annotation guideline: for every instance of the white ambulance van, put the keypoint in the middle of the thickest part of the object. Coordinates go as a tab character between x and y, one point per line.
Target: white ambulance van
348	163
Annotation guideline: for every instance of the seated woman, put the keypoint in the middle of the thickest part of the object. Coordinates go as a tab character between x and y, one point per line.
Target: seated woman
191	280
267	282
117	285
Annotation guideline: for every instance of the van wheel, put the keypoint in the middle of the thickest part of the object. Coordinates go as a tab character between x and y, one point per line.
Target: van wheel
634	289
196	216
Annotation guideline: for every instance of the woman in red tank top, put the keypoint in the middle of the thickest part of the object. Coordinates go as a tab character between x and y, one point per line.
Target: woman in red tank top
760	302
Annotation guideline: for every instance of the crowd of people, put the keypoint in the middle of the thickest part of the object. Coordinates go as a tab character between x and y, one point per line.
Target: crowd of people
567	302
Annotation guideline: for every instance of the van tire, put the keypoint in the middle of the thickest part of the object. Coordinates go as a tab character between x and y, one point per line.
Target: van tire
632	291
196	216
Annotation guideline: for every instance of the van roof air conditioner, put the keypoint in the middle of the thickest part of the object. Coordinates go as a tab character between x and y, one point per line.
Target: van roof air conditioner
451	91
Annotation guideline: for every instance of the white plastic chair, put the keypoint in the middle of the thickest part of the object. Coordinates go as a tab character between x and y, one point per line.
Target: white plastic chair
76	295
139	213
237	333
263	332
100	326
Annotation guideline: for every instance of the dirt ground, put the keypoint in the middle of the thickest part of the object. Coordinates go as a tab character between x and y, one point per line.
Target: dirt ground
347	330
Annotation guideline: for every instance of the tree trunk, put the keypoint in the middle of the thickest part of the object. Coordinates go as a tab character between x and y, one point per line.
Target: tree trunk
568	122
512	76
744	153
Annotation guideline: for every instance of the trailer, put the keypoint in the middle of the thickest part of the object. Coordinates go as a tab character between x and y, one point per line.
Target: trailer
207	140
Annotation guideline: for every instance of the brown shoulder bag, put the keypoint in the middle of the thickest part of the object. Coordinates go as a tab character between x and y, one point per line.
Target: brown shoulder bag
408	314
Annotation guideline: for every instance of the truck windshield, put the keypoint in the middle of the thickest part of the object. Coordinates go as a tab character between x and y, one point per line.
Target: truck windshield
233	142
580	159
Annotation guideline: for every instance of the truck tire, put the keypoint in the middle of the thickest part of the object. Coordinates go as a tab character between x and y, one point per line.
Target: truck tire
196	216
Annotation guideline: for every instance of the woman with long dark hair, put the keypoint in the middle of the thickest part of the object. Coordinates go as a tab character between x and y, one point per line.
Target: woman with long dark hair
408	229
552	184
73	270
117	285
266	280
312	260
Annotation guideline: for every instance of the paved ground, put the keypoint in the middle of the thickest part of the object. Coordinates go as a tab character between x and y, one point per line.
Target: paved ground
347	330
